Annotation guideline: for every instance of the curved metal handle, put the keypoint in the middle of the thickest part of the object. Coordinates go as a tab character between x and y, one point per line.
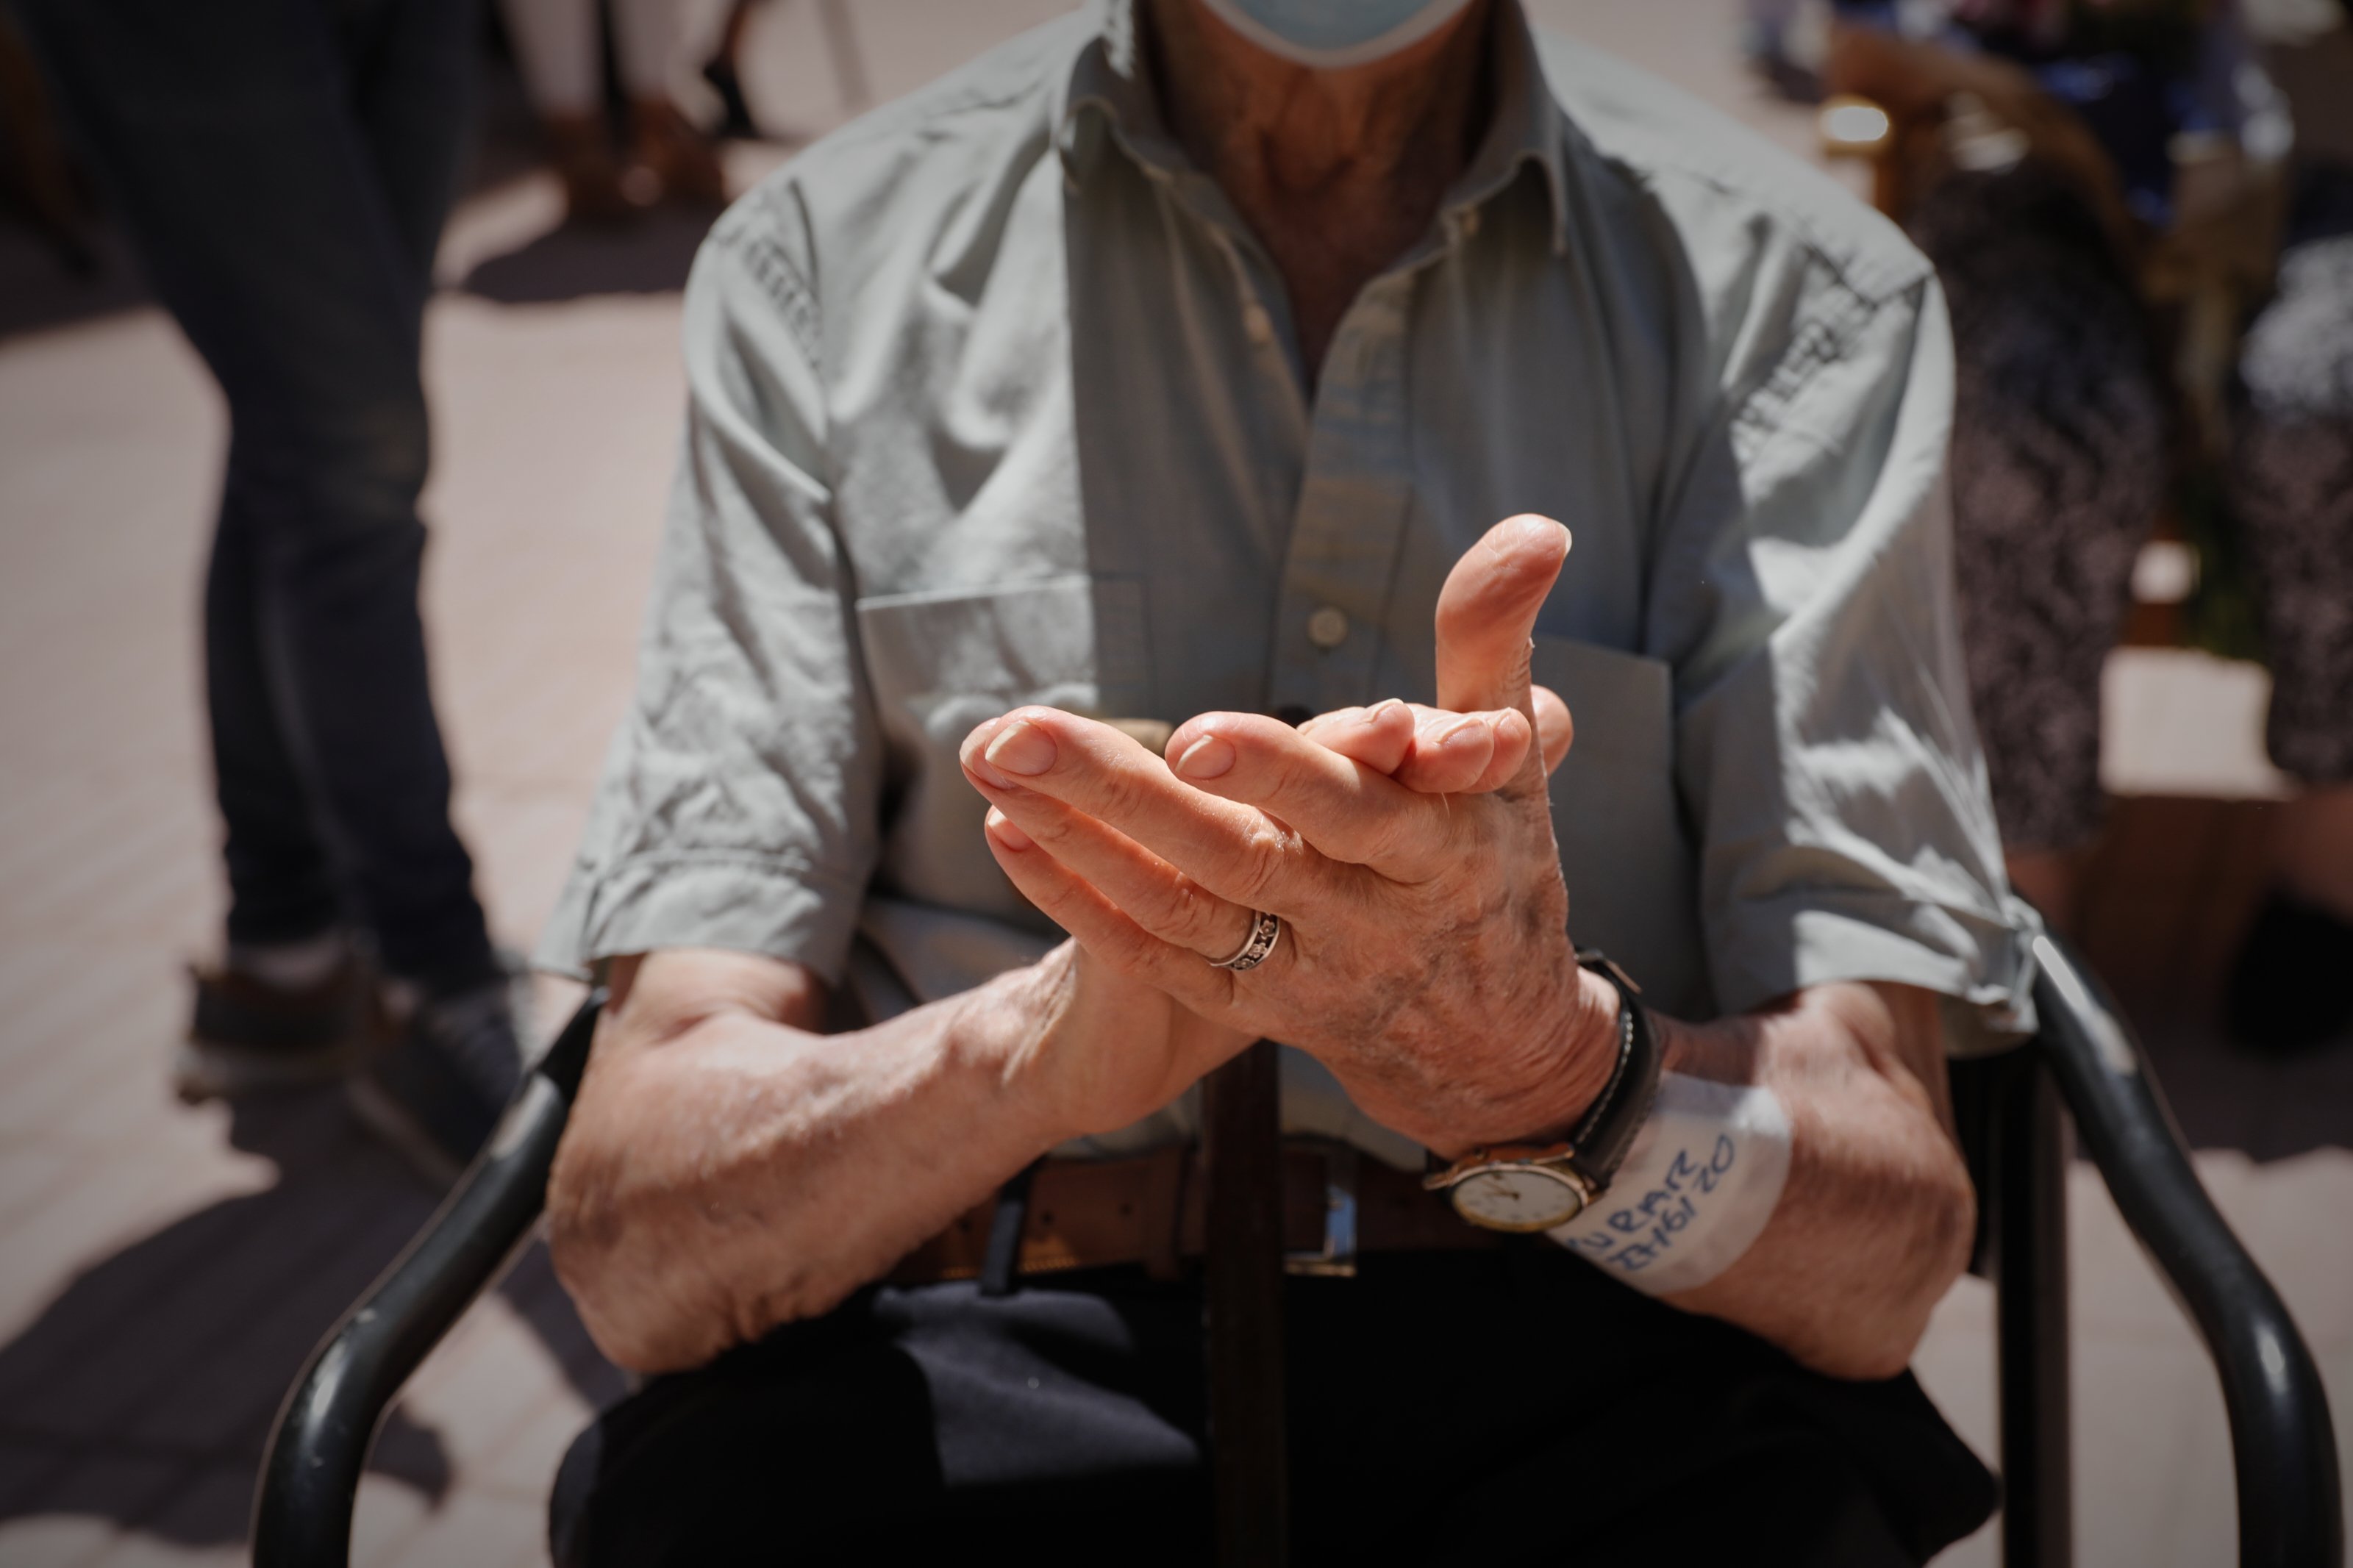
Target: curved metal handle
2284	1448
310	1475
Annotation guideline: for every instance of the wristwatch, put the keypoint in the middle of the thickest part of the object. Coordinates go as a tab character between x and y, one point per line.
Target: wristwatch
1523	1187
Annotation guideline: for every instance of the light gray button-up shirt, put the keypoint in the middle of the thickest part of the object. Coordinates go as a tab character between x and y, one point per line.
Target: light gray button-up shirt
996	400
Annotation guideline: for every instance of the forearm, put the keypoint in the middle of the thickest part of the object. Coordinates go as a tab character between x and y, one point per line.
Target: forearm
726	1171
1875	1219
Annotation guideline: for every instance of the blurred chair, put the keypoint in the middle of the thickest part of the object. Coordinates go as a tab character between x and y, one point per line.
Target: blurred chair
2012	1109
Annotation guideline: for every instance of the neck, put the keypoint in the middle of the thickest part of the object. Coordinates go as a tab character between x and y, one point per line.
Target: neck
1336	172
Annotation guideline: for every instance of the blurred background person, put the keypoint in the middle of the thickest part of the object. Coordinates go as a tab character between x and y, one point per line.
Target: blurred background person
283	168
2092	180
2291	470
560	49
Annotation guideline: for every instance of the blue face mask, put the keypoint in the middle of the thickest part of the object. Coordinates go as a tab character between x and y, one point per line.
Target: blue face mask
1328	35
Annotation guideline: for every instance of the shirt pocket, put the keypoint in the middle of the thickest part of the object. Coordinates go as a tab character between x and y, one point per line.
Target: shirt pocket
1629	861
939	663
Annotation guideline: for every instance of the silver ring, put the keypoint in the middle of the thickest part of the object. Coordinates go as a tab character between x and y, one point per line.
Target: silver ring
1266	929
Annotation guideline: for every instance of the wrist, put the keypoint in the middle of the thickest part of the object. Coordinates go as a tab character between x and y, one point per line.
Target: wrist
1588	1054
1004	1035
1577	1053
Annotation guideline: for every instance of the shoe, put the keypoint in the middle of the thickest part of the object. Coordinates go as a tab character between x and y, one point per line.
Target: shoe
436	1093
249	1036
680	156
595	192
2291	987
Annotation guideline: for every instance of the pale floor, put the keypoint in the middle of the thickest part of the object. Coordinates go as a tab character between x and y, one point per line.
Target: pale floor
163	1270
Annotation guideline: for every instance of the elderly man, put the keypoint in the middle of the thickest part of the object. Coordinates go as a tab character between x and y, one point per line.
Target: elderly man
1149	376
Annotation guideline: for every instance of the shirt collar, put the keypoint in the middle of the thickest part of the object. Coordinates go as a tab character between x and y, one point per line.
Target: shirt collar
1108	98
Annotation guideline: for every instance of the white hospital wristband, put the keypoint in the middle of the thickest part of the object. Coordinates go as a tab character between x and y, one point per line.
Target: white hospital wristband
1695	1191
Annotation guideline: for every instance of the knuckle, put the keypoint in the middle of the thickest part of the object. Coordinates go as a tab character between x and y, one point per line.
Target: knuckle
1046	826
1124	947
1119	795
1202	919
1180	912
1053	900
1392	836
1280	781
1260	866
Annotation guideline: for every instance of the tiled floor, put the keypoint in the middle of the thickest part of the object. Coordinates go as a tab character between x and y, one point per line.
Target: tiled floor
163	1270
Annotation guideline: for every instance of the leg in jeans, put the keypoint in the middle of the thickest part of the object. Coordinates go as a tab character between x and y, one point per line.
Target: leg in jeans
283	166
2058	470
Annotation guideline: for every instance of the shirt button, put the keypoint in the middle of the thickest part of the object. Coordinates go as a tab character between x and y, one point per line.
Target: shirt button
1328	628
1258	325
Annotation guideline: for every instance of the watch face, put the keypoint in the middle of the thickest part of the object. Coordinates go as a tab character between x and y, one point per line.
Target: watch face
1517	1198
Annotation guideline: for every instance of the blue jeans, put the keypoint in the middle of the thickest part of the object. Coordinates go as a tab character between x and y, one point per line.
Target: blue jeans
282	167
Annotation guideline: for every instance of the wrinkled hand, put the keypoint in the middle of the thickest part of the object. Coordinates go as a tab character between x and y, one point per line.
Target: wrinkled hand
1425	957
1105	1048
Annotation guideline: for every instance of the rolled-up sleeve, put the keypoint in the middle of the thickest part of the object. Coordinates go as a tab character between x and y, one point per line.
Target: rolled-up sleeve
1826	755
738	804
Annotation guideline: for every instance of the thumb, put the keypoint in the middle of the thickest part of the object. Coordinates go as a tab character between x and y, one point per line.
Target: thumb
1487	612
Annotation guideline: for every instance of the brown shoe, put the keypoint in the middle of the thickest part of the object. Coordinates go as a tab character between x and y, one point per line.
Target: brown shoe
680	156
595	191
250	1036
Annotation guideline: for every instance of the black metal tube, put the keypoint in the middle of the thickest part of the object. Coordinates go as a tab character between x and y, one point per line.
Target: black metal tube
2283	1444
2026	1218
319	1446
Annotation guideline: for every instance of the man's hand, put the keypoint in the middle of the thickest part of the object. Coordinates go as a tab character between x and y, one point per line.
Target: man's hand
727	1169
1105	1049
1425	957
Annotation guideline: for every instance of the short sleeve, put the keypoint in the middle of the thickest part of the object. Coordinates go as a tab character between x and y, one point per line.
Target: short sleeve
739	800
1825	752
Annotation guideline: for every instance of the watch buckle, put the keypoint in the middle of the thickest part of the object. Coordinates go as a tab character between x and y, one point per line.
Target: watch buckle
1337	1257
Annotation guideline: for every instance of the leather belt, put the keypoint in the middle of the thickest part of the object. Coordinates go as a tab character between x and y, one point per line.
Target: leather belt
1151	1210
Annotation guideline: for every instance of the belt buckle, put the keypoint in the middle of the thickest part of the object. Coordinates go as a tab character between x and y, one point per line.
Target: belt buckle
1337	1258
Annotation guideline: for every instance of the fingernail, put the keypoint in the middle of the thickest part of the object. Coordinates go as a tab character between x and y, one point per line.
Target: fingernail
1001	829
1382	710
979	764
1021	748
1460	730
1537	529
1211	756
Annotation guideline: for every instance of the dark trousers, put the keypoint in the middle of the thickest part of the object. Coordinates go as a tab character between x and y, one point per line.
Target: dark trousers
283	168
1508	1406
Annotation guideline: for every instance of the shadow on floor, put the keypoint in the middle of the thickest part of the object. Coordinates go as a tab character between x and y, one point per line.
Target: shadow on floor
145	1394
40	290
2227	1098
651	256
2167	899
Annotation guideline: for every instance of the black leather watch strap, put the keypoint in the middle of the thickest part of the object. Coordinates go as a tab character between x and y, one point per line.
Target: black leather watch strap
1600	1141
